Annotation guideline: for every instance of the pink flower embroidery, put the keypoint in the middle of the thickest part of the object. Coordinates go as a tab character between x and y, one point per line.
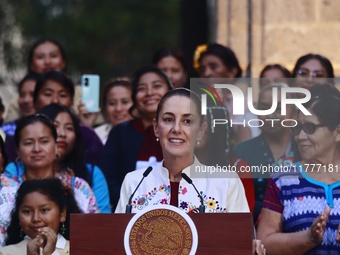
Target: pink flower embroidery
164	201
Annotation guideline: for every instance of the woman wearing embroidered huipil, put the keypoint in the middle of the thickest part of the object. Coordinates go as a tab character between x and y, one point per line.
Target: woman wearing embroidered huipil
178	127
300	213
8	188
36	143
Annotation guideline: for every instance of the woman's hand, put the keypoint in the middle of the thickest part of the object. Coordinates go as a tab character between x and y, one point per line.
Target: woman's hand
87	118
338	235
46	239
318	227
258	248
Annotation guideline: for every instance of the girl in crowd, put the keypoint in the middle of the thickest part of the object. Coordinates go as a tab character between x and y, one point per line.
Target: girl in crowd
56	87
217	61
178	126
8	188
70	159
42	213
25	101
274	73
132	144
36	143
45	54
213	149
312	69
172	62
71	153
274	146
116	102
300	213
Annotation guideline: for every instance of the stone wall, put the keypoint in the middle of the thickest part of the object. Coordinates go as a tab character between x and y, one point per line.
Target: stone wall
282	30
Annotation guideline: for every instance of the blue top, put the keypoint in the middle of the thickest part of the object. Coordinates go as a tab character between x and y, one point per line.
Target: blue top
301	199
99	184
9	127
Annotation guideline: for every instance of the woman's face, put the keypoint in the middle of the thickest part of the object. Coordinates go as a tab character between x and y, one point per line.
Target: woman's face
66	134
310	73
274	128
47	57
37	147
118	103
39	211
320	145
178	127
174	70
272	76
25	100
53	92
212	66
151	89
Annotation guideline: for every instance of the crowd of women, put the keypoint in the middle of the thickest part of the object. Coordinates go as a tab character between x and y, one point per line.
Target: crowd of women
57	158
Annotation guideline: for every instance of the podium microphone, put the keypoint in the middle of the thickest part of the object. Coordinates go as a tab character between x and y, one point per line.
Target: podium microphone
187	178
128	208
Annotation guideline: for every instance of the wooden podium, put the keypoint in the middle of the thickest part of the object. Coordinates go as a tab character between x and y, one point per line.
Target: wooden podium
218	233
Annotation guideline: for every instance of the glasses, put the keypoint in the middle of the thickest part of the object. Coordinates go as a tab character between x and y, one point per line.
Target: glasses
308	127
306	73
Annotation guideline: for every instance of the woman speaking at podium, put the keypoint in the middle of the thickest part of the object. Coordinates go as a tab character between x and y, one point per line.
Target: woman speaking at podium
178	127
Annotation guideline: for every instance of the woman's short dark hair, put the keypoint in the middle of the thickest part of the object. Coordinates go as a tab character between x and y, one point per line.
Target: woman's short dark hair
76	159
184	92
138	74
28	77
3	153
42	41
325	62
56	76
55	191
325	104
279	67
226	55
37	118
169	52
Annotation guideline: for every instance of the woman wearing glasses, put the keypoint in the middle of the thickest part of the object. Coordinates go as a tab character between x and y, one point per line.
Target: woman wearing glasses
300	213
312	69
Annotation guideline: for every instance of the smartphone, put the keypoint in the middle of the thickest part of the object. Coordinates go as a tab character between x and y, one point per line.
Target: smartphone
90	89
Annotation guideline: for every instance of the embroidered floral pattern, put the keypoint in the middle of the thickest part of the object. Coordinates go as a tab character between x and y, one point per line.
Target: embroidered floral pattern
8	189
161	195
82	193
211	204
142	201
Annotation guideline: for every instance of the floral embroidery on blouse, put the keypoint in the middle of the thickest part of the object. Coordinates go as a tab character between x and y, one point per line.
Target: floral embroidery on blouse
82	193
161	195
8	189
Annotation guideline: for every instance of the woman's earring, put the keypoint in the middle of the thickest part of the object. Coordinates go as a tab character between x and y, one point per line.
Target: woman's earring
18	159
157	139
198	142
62	229
22	234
